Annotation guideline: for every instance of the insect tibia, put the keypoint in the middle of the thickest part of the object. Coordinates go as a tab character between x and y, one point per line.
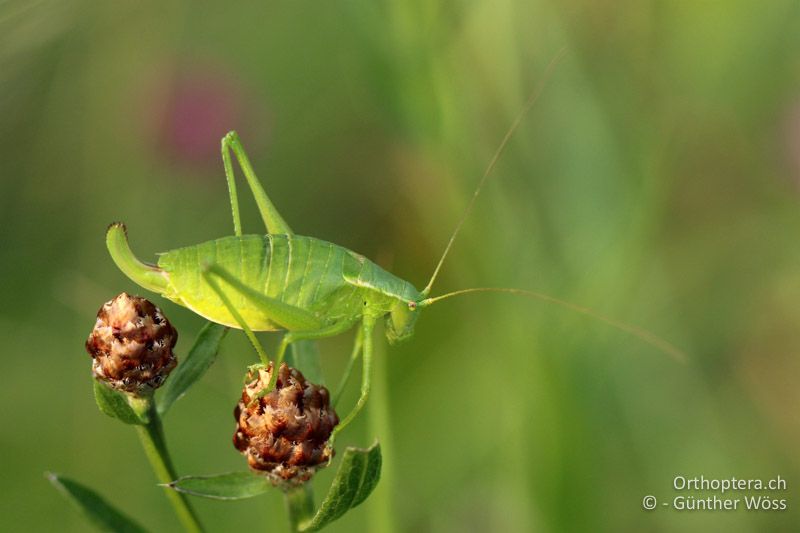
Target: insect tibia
146	275
642	334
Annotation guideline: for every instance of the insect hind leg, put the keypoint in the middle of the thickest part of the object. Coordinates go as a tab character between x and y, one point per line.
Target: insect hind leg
269	213
208	276
285	315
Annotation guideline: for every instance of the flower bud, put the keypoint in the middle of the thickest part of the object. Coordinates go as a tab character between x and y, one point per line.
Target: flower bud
131	345
285	432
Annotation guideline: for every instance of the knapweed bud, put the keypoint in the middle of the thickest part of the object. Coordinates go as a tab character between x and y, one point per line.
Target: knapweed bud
285	432
131	345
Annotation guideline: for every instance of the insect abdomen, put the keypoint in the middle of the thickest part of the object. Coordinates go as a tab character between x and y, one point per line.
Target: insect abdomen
302	271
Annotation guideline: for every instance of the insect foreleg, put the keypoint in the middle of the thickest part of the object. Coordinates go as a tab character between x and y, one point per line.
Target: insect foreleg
366	370
262	354
272	218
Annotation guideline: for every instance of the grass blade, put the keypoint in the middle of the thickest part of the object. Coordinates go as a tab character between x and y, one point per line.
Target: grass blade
197	361
304	356
99	512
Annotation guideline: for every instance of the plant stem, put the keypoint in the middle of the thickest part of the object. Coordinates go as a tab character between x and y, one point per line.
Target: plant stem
380	514
155	447
299	505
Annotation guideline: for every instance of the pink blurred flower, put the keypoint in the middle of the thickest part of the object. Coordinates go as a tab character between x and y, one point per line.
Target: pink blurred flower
193	108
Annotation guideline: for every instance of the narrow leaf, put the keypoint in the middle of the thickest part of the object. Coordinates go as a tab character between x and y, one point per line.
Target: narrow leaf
99	512
304	356
230	486
114	404
356	478
193	366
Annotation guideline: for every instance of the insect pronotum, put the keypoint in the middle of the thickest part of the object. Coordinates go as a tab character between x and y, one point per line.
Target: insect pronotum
307	287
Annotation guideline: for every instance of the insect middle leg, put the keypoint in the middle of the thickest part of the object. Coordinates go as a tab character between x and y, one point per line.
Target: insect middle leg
292	336
262	354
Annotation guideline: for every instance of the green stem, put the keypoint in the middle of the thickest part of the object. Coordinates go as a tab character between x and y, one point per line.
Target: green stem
155	447
380	514
299	505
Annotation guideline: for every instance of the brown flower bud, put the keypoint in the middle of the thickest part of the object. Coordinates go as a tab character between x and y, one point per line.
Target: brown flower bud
285	432
131	345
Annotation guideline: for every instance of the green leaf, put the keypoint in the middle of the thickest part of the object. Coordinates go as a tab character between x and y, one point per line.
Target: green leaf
99	512
356	478
197	361
230	486
304	356
115	404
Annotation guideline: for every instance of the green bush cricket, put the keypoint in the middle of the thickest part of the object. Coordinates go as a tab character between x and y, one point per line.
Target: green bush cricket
307	287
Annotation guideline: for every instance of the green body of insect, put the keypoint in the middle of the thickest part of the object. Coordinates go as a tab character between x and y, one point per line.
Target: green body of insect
305	286
328	283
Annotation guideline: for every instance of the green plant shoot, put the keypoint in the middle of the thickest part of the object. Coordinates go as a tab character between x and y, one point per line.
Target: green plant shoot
307	287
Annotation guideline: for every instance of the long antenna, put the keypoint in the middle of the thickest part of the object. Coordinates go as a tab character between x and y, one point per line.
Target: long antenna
642	334
493	162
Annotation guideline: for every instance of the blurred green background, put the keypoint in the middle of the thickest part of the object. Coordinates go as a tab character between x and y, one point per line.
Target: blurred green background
656	180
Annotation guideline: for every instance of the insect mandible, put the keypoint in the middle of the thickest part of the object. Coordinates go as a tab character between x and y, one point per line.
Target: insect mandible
307	287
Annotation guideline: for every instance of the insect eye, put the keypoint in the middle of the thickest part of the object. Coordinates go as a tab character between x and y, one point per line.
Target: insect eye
412	305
